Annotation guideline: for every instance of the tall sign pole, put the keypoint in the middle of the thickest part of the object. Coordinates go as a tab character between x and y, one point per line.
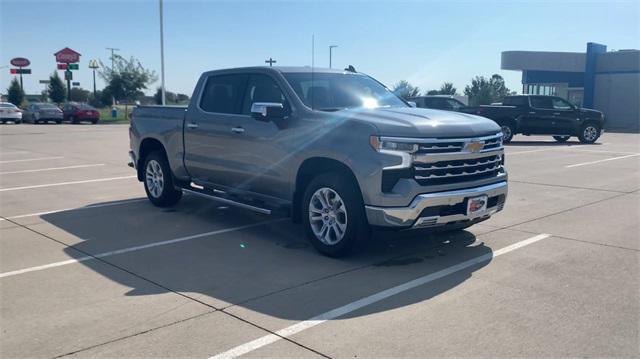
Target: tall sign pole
164	98
67	60
93	65
20	62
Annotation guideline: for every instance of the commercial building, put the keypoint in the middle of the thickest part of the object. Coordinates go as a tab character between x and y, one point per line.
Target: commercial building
605	81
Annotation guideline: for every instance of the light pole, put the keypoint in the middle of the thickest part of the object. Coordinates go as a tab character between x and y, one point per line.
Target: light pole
162	56
330	53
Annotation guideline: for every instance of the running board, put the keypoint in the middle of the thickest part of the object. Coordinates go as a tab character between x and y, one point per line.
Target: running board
200	191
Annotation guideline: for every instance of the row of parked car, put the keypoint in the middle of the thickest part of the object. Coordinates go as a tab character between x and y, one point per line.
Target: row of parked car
42	112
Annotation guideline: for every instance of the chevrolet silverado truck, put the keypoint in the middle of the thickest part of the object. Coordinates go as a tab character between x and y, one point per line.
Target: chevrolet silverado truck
335	150
542	115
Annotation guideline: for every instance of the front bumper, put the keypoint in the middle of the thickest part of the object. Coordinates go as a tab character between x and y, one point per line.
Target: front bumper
132	160
439	209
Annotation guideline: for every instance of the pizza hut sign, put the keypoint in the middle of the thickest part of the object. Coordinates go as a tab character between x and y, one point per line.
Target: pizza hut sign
67	56
20	62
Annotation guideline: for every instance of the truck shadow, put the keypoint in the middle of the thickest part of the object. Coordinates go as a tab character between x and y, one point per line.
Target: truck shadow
269	269
551	142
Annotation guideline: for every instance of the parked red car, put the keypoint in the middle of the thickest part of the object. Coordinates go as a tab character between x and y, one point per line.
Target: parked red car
78	112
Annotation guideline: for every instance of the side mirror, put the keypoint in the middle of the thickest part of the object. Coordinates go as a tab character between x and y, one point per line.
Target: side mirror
267	111
412	103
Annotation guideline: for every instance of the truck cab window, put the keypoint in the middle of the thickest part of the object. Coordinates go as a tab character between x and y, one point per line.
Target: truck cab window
541	102
222	94
560	104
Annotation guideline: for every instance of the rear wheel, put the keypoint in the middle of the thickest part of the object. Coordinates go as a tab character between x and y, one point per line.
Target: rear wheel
507	132
94	121
589	133
333	215
561	139
158	181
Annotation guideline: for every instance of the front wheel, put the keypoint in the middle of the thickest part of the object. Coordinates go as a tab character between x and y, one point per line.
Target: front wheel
589	133
507	133
561	139
158	181
333	215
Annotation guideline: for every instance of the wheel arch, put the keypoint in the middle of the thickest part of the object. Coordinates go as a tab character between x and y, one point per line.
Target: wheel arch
310	168
147	146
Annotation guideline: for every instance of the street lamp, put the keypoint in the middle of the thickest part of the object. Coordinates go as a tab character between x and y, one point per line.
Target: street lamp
162	56
93	65
330	53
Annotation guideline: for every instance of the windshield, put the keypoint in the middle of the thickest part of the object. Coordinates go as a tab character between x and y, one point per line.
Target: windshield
338	91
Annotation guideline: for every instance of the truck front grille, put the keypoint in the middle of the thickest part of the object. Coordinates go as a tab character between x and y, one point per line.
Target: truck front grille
458	170
443	161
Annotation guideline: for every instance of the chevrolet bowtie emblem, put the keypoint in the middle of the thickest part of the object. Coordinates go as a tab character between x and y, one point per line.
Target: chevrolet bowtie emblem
474	146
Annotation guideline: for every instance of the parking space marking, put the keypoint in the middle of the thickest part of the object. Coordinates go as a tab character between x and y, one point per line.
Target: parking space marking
133	249
74	209
599	161
348	308
32	159
52	169
66	183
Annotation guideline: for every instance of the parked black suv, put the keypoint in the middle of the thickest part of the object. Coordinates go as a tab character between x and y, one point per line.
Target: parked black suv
542	115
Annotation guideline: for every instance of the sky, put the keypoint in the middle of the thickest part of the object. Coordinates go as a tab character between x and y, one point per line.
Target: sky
424	42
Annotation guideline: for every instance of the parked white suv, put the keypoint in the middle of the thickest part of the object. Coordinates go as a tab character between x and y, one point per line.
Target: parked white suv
9	112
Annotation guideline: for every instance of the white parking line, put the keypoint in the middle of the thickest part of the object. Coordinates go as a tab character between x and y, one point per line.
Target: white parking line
74	209
133	249
338	312
33	159
604	160
53	169
12	152
66	183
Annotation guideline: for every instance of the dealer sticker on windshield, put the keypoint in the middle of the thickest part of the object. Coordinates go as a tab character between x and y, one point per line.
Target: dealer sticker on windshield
477	205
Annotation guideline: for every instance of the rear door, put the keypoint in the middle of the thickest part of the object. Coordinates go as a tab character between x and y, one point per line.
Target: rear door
211	129
540	119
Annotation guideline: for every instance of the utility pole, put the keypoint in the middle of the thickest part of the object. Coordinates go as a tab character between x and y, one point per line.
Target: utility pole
330	54
113	50
164	99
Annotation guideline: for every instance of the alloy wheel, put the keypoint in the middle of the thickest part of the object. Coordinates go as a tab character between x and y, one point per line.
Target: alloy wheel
327	216
154	178
590	133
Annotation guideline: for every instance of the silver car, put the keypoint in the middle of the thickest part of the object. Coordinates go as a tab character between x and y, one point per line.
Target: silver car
38	112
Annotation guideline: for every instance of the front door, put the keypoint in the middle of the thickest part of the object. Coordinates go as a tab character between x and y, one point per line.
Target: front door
540	120
565	116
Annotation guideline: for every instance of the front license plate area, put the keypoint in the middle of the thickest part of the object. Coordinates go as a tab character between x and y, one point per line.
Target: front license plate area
477	206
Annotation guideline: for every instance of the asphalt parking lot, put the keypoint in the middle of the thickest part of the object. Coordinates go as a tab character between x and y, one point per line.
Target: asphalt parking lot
89	268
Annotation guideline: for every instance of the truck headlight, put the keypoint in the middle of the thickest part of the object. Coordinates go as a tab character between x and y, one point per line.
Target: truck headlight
382	144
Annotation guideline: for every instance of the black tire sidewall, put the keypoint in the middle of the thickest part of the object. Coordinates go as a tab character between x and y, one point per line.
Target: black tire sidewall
584	127
561	138
170	195
356	220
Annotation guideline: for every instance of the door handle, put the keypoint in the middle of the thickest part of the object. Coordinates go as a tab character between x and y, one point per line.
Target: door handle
532	112
192	125
238	130
556	113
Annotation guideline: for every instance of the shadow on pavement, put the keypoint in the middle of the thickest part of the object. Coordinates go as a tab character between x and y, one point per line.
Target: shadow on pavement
269	269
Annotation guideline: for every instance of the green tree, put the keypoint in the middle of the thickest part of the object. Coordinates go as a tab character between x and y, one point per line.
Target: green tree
483	91
405	90
15	95
126	79
447	88
433	92
170	97
79	94
57	89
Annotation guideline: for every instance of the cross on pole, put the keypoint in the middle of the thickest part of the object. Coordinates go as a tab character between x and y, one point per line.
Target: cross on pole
270	62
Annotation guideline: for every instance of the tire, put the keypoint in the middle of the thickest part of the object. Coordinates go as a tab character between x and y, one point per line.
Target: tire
507	132
94	121
33	119
3	122
158	181
561	139
334	232
589	133
58	122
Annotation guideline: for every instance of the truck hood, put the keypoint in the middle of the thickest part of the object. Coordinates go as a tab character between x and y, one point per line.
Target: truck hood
422	122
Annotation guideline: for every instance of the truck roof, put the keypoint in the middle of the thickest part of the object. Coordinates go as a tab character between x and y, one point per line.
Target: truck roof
286	69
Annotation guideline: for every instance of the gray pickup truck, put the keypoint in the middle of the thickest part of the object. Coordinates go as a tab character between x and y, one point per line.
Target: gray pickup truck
335	150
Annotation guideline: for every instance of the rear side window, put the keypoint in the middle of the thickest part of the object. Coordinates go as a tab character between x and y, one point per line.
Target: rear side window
223	94
541	102
515	101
